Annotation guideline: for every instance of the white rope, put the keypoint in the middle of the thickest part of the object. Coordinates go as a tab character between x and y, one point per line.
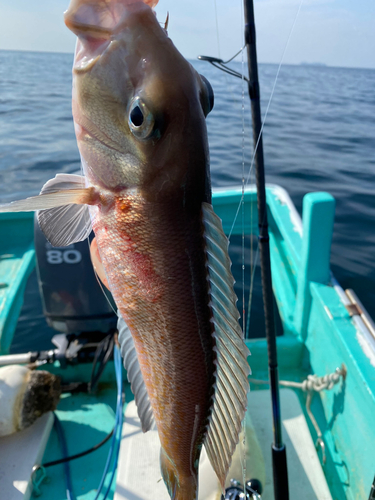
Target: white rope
313	384
317	384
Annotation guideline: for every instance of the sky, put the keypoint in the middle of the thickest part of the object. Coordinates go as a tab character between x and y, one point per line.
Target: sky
332	32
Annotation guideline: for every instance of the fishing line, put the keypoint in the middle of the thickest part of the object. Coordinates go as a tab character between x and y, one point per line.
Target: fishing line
96	274
233	57
243	201
273	89
88	242
246	322
266	113
253	267
99	281
217	29
228	80
243	262
243	424
254	264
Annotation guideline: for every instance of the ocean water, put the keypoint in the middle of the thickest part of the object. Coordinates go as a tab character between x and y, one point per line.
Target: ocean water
319	135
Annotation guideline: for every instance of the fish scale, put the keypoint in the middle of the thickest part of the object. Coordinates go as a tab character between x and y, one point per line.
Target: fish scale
174	339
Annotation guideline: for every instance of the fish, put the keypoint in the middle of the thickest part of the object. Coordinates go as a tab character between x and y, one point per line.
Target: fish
139	110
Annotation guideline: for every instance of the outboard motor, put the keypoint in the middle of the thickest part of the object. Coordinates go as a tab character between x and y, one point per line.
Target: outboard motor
71	295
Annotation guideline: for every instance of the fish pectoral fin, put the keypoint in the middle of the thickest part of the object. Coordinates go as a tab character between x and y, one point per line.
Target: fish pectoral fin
63	213
63	226
55	193
232	369
133	369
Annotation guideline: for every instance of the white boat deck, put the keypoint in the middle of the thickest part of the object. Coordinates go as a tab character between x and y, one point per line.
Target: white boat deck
19	453
139	476
306	476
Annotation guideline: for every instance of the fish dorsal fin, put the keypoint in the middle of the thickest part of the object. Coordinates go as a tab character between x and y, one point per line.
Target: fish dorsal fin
135	377
232	369
66	224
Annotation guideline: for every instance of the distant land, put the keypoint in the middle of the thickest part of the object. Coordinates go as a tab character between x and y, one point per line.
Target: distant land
303	63
236	61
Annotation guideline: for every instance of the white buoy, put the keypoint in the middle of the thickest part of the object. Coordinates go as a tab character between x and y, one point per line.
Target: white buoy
24	396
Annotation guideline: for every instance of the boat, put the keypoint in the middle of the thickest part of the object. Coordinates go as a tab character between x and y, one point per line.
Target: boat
323	330
326	362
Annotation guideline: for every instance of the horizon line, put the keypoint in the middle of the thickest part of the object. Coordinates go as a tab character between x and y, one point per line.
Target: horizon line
302	63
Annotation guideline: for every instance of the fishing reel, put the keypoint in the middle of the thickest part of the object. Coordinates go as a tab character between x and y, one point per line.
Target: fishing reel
235	491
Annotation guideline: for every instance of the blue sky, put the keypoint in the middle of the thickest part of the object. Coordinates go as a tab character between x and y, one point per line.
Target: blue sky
334	32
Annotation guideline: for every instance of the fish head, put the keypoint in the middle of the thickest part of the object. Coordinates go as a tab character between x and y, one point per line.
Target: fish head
139	107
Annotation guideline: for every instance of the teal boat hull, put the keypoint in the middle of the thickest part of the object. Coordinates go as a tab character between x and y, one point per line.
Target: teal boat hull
319	335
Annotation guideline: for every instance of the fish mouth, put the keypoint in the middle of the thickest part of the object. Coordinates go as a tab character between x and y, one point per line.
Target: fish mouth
88	53
97	23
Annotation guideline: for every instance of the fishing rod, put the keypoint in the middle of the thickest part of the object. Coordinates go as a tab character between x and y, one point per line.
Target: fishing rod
372	492
279	464
280	472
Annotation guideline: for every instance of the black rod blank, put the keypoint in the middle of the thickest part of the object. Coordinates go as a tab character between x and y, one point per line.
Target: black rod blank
280	476
372	492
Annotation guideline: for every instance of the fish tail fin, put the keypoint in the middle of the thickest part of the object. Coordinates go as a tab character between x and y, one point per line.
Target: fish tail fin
179	487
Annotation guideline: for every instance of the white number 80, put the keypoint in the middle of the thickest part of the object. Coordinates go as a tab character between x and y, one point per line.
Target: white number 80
63	256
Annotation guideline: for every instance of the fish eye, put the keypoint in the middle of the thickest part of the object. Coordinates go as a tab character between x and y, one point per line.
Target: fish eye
209	96
140	120
136	116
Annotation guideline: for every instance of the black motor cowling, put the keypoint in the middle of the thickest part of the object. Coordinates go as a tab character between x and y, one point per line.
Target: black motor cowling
71	295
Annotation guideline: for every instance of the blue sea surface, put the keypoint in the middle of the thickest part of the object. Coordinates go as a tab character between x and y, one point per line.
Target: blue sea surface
319	135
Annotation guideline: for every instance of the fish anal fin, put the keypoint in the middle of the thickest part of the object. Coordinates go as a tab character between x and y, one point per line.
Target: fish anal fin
135	377
232	368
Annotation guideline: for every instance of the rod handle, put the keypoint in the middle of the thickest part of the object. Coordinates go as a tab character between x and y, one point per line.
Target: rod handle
280	473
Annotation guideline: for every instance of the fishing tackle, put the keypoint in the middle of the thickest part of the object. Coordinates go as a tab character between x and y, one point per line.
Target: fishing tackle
235	490
220	64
